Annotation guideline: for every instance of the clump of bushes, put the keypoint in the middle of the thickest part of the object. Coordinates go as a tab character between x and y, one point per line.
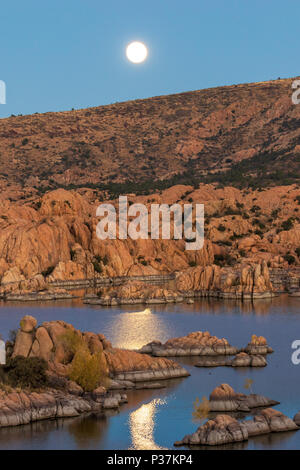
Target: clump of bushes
86	369
97	267
192	263
24	372
48	271
289	258
224	260
287	224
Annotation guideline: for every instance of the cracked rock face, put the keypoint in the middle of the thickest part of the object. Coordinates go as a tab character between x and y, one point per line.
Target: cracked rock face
23	408
224	429
269	420
18	408
245	360
221	430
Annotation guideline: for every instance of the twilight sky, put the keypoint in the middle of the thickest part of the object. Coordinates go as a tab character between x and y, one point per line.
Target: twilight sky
63	54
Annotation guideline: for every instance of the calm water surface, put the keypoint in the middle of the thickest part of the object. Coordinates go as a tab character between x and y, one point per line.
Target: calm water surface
154	419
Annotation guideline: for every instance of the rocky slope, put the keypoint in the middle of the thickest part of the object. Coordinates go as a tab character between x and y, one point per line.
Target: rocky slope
247	129
54	238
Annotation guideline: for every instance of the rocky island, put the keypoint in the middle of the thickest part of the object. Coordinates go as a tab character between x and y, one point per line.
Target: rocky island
72	373
225	429
224	398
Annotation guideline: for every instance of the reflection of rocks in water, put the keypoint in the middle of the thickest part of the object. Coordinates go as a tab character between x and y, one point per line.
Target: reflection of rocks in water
271	441
88	431
266	442
29	432
232	446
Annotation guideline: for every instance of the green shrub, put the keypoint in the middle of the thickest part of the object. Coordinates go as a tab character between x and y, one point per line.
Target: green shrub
192	263
289	258
97	267
71	341
287	224
48	271
88	370
26	372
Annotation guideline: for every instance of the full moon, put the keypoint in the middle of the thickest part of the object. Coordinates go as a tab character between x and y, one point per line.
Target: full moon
136	52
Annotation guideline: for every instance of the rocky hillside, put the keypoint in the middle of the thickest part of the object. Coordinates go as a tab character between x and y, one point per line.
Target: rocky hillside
239	135
54	237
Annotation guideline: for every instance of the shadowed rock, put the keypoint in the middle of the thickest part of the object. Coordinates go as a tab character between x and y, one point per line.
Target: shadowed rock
18	408
242	359
225	429
297	418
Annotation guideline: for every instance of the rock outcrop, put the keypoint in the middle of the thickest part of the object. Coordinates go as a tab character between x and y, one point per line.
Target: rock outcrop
246	360
269	420
136	293
242	359
122	365
221	430
224	398
18	408
52	239
297	418
197	343
258	345
252	281
225	429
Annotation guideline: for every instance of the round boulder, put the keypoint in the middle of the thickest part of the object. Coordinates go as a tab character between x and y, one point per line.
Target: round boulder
28	324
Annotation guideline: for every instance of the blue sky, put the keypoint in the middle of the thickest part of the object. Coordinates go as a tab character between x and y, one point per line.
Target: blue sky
58	55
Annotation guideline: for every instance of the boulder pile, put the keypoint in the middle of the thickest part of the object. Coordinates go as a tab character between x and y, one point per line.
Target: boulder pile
224	398
225	429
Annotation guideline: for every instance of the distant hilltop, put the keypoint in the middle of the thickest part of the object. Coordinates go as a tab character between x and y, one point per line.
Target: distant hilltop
236	135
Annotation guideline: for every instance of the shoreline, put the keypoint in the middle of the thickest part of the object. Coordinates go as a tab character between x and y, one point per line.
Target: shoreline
283	280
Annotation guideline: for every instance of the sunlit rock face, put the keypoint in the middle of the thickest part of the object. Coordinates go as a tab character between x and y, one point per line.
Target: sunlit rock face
53	238
249	281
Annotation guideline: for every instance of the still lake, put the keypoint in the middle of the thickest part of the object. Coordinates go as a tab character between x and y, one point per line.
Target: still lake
154	419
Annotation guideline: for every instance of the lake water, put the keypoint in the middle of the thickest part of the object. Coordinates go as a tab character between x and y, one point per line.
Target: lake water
154	419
